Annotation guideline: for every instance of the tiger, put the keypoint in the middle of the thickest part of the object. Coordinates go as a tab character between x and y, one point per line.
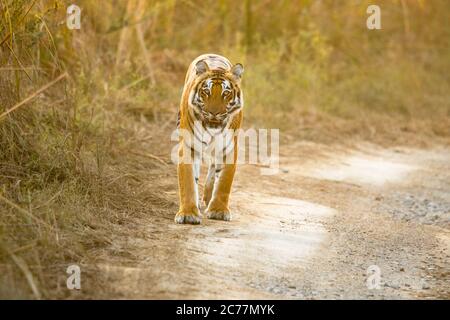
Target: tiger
212	101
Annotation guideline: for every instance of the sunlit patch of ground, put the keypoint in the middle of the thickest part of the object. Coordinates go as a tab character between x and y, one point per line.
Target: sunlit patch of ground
360	169
274	233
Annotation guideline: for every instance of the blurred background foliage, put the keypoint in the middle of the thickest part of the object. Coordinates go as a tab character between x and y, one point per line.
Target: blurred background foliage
68	176
303	58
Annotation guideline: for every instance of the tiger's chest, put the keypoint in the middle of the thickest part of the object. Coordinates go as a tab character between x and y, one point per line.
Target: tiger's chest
211	141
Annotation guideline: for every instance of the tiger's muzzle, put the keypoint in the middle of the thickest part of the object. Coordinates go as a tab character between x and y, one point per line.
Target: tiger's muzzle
214	124
213	121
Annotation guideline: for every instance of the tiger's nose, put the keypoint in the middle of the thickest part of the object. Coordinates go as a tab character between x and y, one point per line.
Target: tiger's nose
215	112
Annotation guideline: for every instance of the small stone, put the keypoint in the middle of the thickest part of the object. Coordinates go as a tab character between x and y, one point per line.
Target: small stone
392	285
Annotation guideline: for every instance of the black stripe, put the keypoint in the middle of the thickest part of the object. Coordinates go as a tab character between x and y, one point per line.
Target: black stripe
233	109
230	142
193	131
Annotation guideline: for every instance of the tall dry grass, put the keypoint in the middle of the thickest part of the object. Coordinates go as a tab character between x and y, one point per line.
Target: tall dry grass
82	156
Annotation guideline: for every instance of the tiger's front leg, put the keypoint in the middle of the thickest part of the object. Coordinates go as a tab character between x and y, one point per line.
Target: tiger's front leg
224	175
209	184
188	175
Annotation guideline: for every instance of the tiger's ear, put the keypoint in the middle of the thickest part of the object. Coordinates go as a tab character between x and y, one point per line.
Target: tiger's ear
201	67
237	70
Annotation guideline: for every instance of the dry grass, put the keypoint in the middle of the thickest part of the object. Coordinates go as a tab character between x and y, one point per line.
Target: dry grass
82	158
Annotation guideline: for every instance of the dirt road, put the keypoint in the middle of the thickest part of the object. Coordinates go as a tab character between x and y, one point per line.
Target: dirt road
311	231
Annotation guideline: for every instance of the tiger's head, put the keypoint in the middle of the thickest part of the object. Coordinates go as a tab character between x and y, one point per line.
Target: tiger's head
216	94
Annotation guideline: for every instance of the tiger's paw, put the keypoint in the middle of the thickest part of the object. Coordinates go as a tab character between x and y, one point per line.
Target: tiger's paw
219	215
188	218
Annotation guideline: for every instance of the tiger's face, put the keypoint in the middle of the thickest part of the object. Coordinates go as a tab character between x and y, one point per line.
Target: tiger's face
216	95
